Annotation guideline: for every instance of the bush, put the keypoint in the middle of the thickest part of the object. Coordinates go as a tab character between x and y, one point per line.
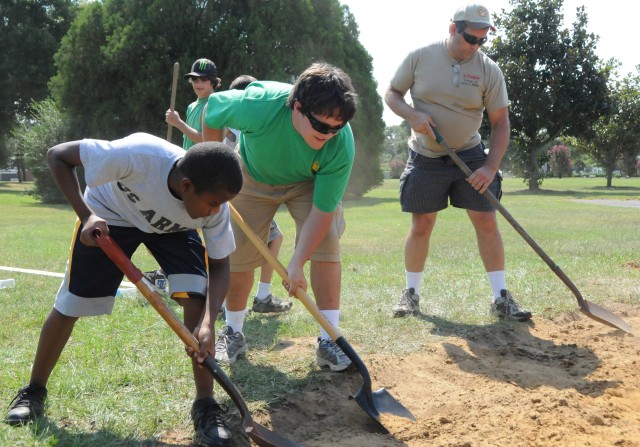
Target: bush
560	160
396	167
34	136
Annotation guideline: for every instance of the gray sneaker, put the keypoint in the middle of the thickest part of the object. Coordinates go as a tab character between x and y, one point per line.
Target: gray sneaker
270	304
506	306
229	345
328	353
409	304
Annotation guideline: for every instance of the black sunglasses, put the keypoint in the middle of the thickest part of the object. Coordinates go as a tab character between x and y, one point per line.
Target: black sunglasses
321	127
473	40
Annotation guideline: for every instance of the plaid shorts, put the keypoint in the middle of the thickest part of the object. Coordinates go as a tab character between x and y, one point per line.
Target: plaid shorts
427	185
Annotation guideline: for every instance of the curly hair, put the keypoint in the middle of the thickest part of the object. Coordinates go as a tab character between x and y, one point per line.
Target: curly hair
212	166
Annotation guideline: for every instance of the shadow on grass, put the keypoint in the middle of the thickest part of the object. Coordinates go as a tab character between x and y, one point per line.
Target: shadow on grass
54	433
618	191
509	352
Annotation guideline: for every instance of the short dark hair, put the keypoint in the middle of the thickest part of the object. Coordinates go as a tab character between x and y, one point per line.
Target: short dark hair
215	82
323	89
241	82
212	166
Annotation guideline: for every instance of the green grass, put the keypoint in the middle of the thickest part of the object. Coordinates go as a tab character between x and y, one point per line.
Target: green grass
124	380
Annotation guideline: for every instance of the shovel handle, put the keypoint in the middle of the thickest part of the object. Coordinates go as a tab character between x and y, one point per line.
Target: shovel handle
133	273
514	223
333	332
172	102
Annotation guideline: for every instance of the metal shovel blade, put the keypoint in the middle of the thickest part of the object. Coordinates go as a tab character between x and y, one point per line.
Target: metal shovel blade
376	402
365	398
258	433
604	316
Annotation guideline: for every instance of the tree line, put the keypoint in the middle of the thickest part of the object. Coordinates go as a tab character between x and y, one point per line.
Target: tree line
109	72
74	69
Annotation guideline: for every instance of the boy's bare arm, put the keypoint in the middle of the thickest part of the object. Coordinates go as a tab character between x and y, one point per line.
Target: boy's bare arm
62	160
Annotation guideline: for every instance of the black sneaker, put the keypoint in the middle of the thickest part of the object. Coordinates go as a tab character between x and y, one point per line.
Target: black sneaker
270	304
211	430
409	304
506	306
27	405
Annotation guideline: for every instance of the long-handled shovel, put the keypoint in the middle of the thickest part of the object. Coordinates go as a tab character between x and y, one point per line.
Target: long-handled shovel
260	434
591	310
373	403
172	102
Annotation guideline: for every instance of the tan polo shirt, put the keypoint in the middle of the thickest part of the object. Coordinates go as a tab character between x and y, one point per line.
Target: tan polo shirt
454	94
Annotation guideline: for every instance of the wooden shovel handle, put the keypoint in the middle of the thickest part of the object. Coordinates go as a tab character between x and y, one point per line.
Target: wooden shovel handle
333	332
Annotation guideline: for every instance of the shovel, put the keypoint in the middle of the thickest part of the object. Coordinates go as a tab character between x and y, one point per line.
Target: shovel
260	434
591	310
373	403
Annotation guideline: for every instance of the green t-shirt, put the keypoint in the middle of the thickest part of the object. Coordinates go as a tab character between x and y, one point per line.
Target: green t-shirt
194	119
273	151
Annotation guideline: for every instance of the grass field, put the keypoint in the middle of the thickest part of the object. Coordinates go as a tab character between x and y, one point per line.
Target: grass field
124	380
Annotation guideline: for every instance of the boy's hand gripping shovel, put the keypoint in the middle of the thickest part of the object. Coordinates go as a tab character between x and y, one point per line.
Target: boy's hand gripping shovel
260	434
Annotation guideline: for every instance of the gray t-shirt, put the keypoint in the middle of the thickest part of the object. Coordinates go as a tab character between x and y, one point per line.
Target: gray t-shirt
127	186
454	94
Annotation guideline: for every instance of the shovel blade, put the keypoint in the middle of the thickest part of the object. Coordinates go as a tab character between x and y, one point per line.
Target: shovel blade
381	402
264	437
604	316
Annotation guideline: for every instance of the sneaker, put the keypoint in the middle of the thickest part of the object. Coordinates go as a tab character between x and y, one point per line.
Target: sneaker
27	405
157	279
409	304
229	345
328	353
211	429
270	304
506	306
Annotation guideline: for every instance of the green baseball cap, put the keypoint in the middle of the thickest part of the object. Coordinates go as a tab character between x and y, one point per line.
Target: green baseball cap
476	16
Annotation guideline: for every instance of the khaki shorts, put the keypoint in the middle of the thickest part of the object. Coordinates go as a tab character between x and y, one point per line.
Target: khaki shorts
258	202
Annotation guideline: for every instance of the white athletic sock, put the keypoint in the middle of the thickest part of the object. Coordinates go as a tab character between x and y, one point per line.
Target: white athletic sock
333	316
414	279
235	319
264	290
497	281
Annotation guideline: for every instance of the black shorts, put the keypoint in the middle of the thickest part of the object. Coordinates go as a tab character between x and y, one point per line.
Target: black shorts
427	185
92	279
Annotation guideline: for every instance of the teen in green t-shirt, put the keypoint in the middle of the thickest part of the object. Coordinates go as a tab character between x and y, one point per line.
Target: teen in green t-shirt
297	149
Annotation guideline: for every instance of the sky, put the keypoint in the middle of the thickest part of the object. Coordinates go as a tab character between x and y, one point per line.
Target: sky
390	30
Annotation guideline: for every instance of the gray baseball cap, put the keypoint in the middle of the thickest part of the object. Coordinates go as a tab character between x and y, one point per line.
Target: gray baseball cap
475	15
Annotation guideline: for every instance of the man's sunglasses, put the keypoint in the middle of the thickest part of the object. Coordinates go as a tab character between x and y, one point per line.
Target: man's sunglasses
473	40
321	127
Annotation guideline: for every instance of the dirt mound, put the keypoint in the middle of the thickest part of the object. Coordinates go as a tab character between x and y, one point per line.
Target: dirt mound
569	381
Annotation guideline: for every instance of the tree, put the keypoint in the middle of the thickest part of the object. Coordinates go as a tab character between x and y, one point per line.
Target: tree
47	127
114	65
556	83
560	160
30	33
615	136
